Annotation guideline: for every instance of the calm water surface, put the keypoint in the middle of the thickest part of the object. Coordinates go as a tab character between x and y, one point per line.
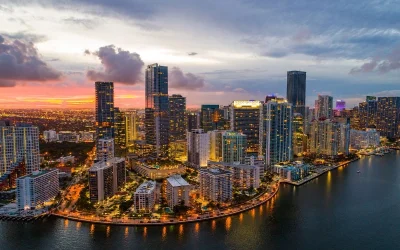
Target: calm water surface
342	209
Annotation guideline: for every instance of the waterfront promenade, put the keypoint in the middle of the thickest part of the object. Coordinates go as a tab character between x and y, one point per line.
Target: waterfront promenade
216	214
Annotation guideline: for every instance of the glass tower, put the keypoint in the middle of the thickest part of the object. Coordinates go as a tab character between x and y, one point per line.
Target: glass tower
157	108
177	109
296	91
104	110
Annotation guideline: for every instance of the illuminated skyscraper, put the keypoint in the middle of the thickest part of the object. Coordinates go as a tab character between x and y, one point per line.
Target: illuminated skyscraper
104	110
368	112
278	116
119	128
324	107
296	91
299	138
211	117
198	148
340	105
131	127
177	109
193	120
389	116
246	118
157	108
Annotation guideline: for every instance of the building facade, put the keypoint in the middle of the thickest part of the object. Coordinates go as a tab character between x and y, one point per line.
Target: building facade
388	121
211	118
215	185
119	128
198	148
193	121
324	107
131	127
105	150
36	188
296	91
145	197
177	122
104	110
177	191
157	108
360	139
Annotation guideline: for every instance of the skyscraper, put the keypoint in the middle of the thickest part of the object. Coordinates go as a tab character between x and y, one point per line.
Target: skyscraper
368	113
193	121
19	144
198	148
177	109
389	116
131	127
296	91
340	105
299	139
104	110
211	117
157	108
234	147
105	150
278	126
119	128
324	107
246	119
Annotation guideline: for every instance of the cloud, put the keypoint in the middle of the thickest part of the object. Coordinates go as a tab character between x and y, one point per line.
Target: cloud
26	36
192	53
20	61
119	65
188	81
390	63
87	23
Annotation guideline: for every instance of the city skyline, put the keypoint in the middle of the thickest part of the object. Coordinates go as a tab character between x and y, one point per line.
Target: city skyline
223	58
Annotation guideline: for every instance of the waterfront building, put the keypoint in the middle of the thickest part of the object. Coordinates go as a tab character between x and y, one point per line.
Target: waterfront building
145	197
119	128
227	146
245	176
367	112
193	121
211	118
18	144
35	189
360	139
177	122
158	172
277	131
131	127
389	116
292	173
324	107
296	91
177	191
198	148
215	184
105	150
50	135
157	108
106	178
246	118
104	110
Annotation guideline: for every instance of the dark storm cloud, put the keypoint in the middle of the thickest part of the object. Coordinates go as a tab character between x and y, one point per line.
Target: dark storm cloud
188	81
20	61
119	65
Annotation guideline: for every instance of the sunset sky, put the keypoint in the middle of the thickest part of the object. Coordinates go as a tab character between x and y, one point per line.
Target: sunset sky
51	52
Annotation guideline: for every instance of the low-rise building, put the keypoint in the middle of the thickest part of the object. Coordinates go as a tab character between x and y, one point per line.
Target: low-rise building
35	189
177	191
292	172
145	197
215	184
106	178
158	172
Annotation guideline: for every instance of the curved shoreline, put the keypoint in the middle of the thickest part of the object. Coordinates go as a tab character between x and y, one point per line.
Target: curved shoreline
122	223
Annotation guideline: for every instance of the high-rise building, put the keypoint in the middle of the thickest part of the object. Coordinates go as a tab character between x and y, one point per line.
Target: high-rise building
106	178
18	144
131	127
245	176
299	138
340	105
368	113
193	120
198	148
364	139
211	118
36	188
389	116
177	122
157	108
296	91
246	118
119	128
145	197
177	191
104	110
215	184
278	116
227	146
324	107
105	150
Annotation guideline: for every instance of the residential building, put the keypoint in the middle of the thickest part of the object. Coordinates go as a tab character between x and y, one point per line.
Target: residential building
388	113
246	118
35	189
215	184
119	128
299	139
360	139
105	149
18	144
211	118
131	127
177	122
104	110
106	178
324	107
245	176
296	91
157	108
198	143
227	146
193	121
68	136
145	197
177	191
50	135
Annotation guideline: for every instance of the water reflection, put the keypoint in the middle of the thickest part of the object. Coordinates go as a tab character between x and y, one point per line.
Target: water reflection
228	223
91	229
78	225
197	228
66	224
144	232
241	218
164	233
108	231
213	225
126	233
180	230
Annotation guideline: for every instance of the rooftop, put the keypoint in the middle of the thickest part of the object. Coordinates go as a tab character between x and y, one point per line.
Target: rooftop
215	171
38	173
177	181
102	164
146	187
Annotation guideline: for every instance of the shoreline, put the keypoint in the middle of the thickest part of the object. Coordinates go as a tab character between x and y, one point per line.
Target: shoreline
314	176
121	222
